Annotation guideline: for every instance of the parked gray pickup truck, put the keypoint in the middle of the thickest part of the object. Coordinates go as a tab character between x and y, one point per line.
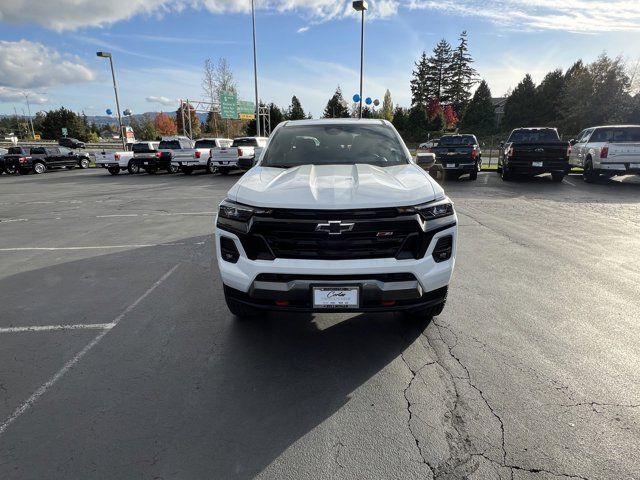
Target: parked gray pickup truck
170	151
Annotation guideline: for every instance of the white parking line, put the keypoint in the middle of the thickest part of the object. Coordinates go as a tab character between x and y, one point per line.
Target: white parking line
567	181
28	403
118	215
50	328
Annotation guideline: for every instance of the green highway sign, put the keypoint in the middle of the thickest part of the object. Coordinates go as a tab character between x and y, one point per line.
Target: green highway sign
228	105
246	108
64	132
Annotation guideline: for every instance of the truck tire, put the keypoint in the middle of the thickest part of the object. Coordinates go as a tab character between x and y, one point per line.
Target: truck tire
114	170
240	309
589	175
39	167
210	167
187	170
84	163
133	168
557	177
172	169
11	169
474	174
505	174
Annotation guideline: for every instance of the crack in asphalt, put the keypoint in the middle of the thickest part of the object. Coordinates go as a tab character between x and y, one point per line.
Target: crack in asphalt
528	470
414	374
593	405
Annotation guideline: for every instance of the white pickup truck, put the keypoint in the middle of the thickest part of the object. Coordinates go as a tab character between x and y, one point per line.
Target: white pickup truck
337	216
608	150
201	158
226	159
115	162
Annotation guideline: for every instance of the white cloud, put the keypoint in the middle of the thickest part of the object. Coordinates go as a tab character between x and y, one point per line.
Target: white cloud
73	14
11	95
26	64
302	30
583	16
161	100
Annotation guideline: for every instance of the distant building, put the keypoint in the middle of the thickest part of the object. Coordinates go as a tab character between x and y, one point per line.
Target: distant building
498	105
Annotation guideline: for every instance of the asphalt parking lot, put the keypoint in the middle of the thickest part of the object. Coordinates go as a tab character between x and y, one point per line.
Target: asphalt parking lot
119	359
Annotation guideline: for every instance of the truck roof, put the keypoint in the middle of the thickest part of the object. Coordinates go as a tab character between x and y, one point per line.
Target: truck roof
616	126
337	121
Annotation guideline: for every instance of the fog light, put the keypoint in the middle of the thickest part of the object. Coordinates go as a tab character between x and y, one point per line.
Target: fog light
228	250
443	248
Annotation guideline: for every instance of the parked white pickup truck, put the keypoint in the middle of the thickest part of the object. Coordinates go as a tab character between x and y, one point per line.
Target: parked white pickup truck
608	150
115	162
226	159
201	158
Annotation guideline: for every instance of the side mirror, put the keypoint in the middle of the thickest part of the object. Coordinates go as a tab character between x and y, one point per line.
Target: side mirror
245	163
426	160
501	144
573	141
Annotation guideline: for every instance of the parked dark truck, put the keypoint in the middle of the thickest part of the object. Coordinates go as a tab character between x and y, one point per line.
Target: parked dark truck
458	155
169	149
534	151
40	159
11	160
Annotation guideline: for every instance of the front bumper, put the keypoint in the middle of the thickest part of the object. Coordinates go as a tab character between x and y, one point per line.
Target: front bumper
408	283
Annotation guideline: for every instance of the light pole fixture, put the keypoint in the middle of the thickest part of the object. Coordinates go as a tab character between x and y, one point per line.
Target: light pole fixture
255	67
361	6
115	89
33	132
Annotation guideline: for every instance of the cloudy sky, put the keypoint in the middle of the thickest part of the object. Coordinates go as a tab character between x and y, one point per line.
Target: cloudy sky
306	47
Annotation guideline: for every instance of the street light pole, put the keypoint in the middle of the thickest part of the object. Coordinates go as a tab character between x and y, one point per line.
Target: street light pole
255	67
115	89
33	132
361	6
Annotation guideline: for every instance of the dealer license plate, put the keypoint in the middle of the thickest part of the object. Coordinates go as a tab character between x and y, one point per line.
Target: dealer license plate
335	297
536	164
451	165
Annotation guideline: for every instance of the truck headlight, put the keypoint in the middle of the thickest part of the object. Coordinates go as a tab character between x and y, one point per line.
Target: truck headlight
431	210
235	211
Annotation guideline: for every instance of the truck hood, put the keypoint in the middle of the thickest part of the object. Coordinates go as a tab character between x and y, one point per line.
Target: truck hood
335	187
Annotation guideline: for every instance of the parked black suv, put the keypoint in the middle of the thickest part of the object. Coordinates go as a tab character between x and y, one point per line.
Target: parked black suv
40	159
458	154
534	151
71	143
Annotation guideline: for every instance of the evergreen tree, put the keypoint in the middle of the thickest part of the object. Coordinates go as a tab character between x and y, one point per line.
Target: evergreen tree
336	106
419	83
521	104
417	124
462	75
387	106
400	119
55	120
295	110
479	116
576	99
438	77
548	96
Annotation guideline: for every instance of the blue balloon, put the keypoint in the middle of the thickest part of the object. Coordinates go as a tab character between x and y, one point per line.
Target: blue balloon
368	101
109	111
356	98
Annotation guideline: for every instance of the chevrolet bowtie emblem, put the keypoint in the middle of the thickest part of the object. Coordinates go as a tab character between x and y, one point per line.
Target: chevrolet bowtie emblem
334	227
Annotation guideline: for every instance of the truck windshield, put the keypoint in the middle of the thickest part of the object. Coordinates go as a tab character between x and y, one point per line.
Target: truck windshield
142	148
334	144
169	145
457	140
212	143
245	142
616	135
534	135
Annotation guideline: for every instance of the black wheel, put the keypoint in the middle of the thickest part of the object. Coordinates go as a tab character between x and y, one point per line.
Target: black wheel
173	169
505	174
133	168
474	174
589	175
187	170
84	163
557	177
11	169
114	170
151	171
39	168
210	167
240	309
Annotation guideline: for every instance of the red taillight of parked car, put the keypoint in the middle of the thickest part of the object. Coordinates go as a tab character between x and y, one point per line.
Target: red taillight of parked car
569	150
604	153
158	154
474	153
22	159
239	152
197	155
117	156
